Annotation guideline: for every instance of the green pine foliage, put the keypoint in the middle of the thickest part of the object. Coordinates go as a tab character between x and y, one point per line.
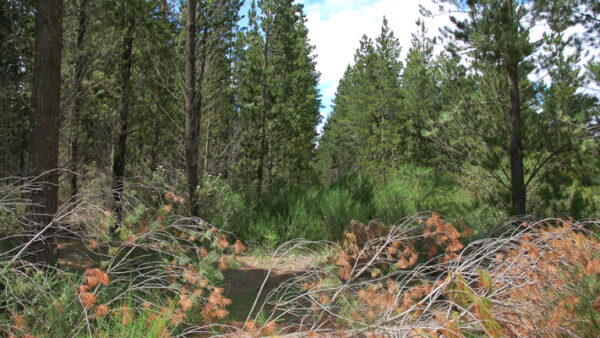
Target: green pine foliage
278	99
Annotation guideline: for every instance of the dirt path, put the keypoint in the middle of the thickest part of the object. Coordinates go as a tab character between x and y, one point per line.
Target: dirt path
242	285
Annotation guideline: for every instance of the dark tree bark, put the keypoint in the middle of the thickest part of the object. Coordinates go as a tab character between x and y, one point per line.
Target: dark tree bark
44	129
191	113
120	154
263	116
157	120
156	123
206	143
80	65
518	192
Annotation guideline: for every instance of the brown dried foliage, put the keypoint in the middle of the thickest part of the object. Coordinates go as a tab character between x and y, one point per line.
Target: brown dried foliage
520	284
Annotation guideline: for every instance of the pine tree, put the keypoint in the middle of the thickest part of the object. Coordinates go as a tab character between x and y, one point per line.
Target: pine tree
499	45
80	69
277	96
499	124
128	21
45	126
393	126
17	26
368	131
422	99
215	28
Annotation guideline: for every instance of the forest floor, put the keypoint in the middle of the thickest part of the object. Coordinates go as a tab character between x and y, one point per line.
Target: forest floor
243	285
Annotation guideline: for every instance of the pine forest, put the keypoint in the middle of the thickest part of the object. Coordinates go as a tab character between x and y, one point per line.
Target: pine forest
199	168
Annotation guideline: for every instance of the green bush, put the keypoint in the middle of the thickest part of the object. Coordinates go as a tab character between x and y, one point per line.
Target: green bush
337	208
416	189
219	204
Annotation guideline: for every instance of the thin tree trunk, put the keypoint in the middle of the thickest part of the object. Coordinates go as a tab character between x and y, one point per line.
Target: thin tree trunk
200	95
191	116
382	129
78	92
518	191
156	122
155	138
263	116
5	147
206	142
120	155
44	128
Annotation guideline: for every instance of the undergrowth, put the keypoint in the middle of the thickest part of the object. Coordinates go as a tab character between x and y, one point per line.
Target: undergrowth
161	272
419	279
155	276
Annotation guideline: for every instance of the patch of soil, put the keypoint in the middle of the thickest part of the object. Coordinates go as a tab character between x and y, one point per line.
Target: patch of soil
71	253
243	285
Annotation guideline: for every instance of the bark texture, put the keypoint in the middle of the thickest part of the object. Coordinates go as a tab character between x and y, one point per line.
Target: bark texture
44	129
120	153
191	113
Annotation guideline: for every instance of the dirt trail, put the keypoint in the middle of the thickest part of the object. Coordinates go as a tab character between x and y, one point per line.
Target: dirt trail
242	285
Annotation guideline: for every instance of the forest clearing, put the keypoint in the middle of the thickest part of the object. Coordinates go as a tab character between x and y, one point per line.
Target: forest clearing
183	168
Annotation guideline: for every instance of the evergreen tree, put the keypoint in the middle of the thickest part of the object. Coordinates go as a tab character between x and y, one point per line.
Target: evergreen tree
215	28
128	21
498	45
277	95
496	121
422	97
392	129
368	130
17	25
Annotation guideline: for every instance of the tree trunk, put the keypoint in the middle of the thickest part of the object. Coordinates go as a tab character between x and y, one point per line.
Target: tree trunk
206	142
78	92
156	123
156	118
263	116
382	145
44	128
518	192
120	154
200	94
191	116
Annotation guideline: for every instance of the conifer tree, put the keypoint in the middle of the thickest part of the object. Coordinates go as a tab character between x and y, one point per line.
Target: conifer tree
277	93
17	27
499	119
368	129
422	98
128	21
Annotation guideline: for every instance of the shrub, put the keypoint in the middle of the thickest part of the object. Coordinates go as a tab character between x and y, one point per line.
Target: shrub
412	189
159	264
219	204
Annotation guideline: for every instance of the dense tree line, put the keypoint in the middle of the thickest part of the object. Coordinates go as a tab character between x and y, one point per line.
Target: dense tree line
111	90
510	116
117	89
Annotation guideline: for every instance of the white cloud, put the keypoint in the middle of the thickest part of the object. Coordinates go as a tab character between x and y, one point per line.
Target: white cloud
336	26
